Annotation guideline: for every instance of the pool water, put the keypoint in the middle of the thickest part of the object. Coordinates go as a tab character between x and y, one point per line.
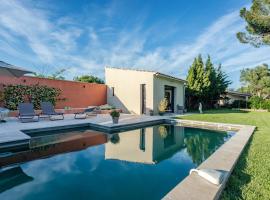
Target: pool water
144	163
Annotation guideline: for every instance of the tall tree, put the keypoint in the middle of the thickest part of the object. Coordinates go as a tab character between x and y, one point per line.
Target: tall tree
211	74
197	79
257	80
258	24
205	83
89	79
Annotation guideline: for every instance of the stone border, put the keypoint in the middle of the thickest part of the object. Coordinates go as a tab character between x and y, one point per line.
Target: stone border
224	158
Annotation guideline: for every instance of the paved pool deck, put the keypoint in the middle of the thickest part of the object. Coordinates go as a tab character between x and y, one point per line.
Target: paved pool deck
194	187
13	131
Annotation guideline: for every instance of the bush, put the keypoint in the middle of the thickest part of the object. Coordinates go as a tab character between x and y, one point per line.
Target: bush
163	104
115	113
15	94
256	102
266	105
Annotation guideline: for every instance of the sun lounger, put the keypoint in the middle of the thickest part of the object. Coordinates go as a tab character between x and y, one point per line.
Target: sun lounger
27	113
48	111
86	113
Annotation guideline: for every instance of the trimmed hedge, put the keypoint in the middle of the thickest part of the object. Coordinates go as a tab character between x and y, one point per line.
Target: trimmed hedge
15	94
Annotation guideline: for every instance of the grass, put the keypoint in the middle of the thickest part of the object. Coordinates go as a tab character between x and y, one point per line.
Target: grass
251	176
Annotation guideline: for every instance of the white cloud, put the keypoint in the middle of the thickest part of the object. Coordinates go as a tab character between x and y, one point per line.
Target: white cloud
31	34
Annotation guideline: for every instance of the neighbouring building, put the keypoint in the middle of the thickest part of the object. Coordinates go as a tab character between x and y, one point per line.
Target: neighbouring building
232	96
140	91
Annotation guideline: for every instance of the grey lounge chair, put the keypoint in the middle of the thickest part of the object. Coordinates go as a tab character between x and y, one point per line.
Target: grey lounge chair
180	109
86	113
27	113
48	111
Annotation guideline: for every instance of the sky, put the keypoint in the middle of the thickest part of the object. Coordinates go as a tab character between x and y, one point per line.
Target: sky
84	36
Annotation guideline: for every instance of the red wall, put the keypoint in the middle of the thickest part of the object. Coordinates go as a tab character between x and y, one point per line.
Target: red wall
77	94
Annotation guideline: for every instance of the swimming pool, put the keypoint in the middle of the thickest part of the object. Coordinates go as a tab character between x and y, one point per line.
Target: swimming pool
144	163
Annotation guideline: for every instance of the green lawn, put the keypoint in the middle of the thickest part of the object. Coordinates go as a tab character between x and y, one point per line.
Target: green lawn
251	176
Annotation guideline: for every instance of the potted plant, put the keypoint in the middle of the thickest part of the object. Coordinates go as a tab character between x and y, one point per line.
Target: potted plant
115	116
162	131
163	104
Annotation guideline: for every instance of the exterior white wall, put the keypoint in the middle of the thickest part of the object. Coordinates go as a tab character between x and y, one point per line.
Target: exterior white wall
159	91
127	89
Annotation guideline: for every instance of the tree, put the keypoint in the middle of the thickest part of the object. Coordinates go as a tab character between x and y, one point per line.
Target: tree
58	75
257	80
258	24
88	79
197	79
205	83
212	76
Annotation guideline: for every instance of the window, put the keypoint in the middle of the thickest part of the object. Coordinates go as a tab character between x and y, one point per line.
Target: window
113	91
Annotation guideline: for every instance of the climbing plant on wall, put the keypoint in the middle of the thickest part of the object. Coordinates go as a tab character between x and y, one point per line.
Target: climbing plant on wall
15	94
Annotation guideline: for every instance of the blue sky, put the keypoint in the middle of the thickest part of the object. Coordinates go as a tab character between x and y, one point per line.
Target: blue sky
84	36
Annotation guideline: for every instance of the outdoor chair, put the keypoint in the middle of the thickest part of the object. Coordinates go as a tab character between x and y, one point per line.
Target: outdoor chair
86	113
27	113
180	109
48	111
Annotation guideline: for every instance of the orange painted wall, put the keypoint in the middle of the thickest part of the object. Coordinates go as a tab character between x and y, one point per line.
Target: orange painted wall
77	94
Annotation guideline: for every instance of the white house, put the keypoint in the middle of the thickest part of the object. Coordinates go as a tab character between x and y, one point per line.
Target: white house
140	91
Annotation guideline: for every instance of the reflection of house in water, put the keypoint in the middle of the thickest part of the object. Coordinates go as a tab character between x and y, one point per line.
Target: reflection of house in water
149	145
49	145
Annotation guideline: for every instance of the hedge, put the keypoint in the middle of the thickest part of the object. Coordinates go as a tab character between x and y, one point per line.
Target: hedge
15	94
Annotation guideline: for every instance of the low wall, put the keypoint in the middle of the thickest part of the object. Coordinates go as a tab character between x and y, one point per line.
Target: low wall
77	94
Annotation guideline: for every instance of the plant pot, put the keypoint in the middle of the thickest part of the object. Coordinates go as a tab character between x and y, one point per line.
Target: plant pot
161	113
115	120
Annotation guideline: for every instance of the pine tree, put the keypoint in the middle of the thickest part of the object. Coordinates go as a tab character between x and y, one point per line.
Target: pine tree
258	24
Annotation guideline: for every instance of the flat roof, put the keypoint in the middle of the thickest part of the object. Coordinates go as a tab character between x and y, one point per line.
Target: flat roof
156	73
238	93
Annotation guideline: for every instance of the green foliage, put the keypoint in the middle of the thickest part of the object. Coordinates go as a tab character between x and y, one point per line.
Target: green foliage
258	24
2	96
257	80
259	103
163	104
58	75
88	79
205	83
248	179
15	94
115	113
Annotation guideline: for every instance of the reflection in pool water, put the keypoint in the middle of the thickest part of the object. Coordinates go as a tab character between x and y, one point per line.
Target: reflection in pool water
83	164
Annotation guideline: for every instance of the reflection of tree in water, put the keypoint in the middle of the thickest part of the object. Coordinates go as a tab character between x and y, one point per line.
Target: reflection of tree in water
201	144
115	139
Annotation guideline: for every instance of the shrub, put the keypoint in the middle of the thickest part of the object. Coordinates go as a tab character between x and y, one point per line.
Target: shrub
15	94
266	105
256	102
163	104
115	113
